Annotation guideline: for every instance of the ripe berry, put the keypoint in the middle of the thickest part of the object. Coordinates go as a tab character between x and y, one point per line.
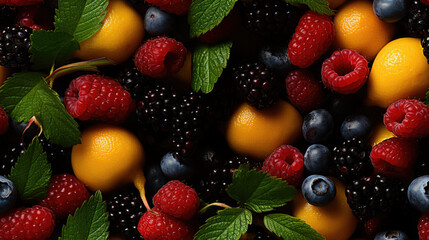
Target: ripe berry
423	227
275	57
15	46
174	169
418	17
317	158
345	71
355	126
158	22
285	162
4	121
8	194
156	177
418	193
318	126
7	16
179	7
318	190
392	234
390	11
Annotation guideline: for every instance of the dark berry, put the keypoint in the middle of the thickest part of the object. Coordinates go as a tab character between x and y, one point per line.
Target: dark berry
318	126
391	235
317	158
355	126
15	46
275	57
133	81
318	190
8	194
418	192
418	18
158	22
173	168
155	177
9	158
7	16
390	11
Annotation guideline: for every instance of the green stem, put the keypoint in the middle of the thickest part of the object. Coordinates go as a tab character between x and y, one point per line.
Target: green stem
202	210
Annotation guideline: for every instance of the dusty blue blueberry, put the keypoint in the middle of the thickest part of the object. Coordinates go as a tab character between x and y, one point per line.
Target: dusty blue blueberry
158	22
355	126
418	193
390	11
7	194
318	126
173	168
275	57
317	158
391	235
318	190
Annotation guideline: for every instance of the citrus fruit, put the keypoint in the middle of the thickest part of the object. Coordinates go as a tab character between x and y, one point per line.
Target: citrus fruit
399	71
333	4
107	157
4	73
257	133
357	27
379	134
334	221
121	34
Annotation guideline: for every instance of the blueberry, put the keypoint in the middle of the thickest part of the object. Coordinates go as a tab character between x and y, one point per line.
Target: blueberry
390	11
317	126
318	190
173	168
355	126
275	57
158	22
155	177
418	193
317	158
7	194
391	235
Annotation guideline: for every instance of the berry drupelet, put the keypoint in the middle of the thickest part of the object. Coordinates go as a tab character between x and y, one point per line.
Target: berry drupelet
8	159
15	46
133	81
418	18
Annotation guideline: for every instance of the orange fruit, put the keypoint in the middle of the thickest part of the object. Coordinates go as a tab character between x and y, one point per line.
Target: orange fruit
107	157
334	221
399	71
182	80
121	34
257	133
4	73
379	134
333	4
357	27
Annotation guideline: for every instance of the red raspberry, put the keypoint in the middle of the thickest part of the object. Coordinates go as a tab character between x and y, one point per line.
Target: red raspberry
408	118
303	90
160	56
285	162
179	7
19	2
65	195
177	199
395	157
345	71
99	98
423	227
4	122
156	225
36	223
312	38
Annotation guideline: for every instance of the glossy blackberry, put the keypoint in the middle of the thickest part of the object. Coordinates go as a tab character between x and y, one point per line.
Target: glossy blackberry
418	18
58	156
7	16
375	194
425	45
125	210
15	46
351	160
267	18
133	81
259	86
8	159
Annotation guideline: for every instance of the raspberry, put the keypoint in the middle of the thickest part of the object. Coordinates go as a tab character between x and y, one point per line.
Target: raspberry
312	38
99	98
345	71
303	90
4	121
286	162
408	118
160	56
65	195
425	2
36	223
177	199
179	7
19	2
156	225
423	227
394	157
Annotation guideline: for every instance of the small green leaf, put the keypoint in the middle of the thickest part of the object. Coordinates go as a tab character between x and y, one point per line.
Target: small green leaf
80	18
319	6
90	221
208	63
204	15
31	173
288	227
259	191
228	224
26	94
427	98
49	48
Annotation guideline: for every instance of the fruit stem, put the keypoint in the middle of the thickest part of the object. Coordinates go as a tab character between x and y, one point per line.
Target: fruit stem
202	210
139	183
32	120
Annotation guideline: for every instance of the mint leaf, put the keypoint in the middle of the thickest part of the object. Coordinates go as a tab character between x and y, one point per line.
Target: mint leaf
427	98
228	224
26	94
49	48
31	173
259	191
288	227
90	221
80	18
204	15
319	6
208	63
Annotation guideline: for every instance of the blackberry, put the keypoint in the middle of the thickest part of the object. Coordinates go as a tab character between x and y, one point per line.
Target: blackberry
133	81
375	194
7	16
58	156
125	210
351	160
425	45
259	86
8	159
418	19
15	46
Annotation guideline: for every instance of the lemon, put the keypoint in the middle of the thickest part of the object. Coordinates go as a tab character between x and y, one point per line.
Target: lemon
399	71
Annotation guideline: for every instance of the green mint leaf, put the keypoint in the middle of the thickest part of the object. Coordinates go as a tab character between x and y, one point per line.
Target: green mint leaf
319	6
49	48
204	15
80	18
228	224
427	98
26	94
208	63
288	227
31	173
259	191
90	221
